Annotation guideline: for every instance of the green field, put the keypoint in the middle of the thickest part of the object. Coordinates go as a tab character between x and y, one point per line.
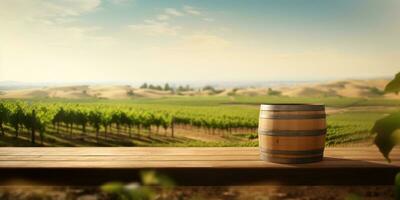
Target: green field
174	121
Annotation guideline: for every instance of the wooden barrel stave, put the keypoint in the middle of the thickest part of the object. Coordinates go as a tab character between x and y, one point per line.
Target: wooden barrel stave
292	143
292	124
298	160
292	133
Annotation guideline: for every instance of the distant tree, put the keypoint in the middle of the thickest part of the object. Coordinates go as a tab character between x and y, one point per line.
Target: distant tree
184	88
144	86
187	88
155	87
180	88
376	91
233	92
130	93
212	89
167	87
209	88
272	92
158	87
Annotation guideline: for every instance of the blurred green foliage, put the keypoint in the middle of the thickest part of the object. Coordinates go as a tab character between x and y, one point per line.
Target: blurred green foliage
394	85
139	190
387	136
353	196
388	131
397	186
387	128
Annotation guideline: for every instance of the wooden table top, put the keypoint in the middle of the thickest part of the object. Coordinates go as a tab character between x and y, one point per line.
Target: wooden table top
179	157
192	166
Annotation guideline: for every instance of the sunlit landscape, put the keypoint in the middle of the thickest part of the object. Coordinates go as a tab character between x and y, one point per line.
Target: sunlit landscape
186	99
166	116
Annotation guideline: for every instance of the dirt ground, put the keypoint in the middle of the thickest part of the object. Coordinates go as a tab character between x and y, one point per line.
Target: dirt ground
208	193
333	110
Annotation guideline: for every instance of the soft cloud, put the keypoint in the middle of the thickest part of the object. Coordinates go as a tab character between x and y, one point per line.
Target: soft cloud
119	2
163	17
49	24
173	12
151	27
88	35
41	9
46	40
68	7
191	10
159	24
205	41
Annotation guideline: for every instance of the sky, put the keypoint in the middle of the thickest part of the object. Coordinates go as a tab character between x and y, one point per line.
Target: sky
203	40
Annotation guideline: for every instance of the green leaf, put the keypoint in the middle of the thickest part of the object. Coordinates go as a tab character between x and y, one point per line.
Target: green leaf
142	193
151	177
112	187
387	136
394	85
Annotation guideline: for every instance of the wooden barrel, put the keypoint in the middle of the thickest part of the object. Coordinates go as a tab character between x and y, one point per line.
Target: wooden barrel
292	133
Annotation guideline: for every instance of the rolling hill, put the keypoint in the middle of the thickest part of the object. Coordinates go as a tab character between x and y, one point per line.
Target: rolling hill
345	88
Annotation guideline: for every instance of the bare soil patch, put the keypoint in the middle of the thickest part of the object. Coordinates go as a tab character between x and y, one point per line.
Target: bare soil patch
208	193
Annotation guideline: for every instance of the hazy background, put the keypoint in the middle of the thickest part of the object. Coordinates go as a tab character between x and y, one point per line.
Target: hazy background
185	40
191	73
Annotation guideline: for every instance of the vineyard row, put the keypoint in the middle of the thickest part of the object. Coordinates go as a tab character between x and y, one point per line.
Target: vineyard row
37	117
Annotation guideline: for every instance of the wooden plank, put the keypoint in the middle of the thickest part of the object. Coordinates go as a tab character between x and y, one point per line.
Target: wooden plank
178	157
168	157
163	150
111	151
127	151
168	149
159	164
192	166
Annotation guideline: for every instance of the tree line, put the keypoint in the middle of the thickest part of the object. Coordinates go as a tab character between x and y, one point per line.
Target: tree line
180	88
167	87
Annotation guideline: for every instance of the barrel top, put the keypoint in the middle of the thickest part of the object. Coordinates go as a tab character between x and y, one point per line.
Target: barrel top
293	107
